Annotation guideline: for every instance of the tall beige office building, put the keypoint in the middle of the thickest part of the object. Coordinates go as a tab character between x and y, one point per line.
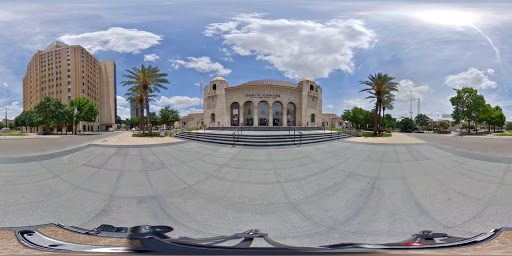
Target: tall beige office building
66	72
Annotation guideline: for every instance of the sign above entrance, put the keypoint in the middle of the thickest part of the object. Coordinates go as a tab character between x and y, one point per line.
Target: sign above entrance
262	95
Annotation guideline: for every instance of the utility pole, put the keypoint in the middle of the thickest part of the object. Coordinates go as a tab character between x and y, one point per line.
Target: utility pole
418	106
410	109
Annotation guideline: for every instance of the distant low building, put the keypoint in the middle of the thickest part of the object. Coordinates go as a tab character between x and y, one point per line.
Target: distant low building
8	121
134	110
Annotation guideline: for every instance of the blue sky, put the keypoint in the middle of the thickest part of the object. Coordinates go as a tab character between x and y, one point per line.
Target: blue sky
429	47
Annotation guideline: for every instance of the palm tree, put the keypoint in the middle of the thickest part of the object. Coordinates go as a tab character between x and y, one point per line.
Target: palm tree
136	94
379	84
387	103
150	80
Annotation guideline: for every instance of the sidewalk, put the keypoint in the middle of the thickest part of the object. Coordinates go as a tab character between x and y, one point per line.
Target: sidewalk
396	138
125	138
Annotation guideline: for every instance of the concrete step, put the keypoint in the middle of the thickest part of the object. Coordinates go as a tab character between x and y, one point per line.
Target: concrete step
263	128
260	140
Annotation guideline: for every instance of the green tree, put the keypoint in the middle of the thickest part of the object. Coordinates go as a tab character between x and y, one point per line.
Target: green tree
11	125
443	125
357	116
406	124
471	103
150	79
508	127
389	122
168	116
421	120
49	112
378	86
86	111
155	120
21	119
387	103
499	118
1	125
136	94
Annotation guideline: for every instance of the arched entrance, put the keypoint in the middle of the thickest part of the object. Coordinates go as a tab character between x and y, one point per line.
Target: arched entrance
277	114
235	108
249	113
263	113
212	119
290	114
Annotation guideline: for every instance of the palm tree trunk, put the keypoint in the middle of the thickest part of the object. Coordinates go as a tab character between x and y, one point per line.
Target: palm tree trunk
146	98
382	121
375	119
141	122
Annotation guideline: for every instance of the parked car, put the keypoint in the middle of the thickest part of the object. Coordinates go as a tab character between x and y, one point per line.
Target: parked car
420	131
408	131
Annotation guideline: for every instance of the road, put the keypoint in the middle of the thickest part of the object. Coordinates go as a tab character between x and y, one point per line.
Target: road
310	195
493	146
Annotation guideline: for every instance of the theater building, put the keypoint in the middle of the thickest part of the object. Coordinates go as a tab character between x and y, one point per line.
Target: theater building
268	102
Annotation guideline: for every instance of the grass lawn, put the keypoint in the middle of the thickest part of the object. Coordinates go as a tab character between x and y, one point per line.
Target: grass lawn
370	134
155	134
503	134
14	134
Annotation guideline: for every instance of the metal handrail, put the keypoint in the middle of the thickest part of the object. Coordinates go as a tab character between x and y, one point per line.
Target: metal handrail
294	131
236	133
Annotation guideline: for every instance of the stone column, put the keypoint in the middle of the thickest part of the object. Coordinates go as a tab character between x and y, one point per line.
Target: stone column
285	122
241	114
270	115
255	116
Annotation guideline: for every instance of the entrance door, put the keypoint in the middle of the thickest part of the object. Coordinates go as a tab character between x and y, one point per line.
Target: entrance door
277	114
248	113
263	113
235	107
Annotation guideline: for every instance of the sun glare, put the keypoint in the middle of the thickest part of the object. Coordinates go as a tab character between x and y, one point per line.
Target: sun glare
447	17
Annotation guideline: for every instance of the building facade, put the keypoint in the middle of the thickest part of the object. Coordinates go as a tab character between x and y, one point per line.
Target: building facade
134	110
268	102
66	72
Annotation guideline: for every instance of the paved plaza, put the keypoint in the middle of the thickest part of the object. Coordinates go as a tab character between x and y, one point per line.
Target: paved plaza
340	191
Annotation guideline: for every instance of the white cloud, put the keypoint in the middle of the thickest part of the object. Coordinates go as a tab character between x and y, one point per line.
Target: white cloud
404	91
121	100
357	102
178	101
13	110
298	48
155	108
490	71
184	112
204	64
115	39
472	78
195	110
329	107
123	112
151	57
5	84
